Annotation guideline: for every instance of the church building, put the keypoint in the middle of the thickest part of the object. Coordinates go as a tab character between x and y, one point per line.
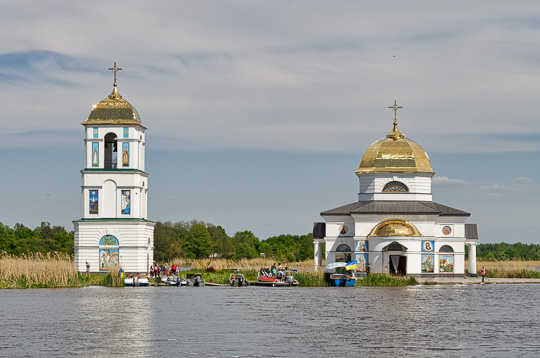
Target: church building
114	229
395	227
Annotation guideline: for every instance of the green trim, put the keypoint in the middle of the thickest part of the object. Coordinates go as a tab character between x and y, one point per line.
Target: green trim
113	219
113	170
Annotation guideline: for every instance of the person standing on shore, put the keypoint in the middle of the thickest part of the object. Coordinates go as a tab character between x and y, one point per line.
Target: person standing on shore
483	273
87	269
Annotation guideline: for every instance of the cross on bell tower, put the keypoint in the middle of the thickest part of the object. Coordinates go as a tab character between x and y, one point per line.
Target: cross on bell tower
115	69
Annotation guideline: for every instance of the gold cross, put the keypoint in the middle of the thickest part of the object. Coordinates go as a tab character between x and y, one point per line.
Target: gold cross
395	107
115	69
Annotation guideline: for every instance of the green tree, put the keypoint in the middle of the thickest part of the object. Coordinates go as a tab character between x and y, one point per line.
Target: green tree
198	243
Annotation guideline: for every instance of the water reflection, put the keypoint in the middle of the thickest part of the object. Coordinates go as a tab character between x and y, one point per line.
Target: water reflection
423	321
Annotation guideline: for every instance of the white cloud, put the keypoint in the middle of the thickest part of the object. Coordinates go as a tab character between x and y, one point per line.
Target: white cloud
445	181
522	180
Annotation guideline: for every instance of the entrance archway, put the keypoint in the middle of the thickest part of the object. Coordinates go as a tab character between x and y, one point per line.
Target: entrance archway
397	261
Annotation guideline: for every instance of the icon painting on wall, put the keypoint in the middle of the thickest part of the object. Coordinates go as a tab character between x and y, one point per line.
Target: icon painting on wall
361	245
428	263
125	154
95	154
126	132
108	258
361	262
447	230
126	201
428	245
446	263
93	201
343	229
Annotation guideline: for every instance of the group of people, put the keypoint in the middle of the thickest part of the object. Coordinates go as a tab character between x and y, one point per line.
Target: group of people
164	270
274	271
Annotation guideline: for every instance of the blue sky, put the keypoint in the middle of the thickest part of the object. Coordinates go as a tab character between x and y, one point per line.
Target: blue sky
258	113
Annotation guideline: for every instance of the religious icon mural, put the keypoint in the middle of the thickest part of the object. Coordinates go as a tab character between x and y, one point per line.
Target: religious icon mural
428	245
93	201
447	230
126	201
343	229
108	256
126	132
362	262
361	245
446	263
125	154
428	263
95	154
95	132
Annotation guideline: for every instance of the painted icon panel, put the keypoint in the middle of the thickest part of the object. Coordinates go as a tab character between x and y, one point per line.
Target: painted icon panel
126	201
109	240
95	132
126	132
446	263
108	258
428	263
95	154
428	245
125	154
362	262
94	202
361	245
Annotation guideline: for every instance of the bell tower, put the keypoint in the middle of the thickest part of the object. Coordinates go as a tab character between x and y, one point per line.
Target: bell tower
114	229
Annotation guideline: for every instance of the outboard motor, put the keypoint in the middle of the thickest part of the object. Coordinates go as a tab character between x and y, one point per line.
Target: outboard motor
290	280
135	281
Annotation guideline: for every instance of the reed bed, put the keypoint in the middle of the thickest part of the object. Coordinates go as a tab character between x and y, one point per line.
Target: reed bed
242	264
383	279
313	278
509	269
37	270
113	278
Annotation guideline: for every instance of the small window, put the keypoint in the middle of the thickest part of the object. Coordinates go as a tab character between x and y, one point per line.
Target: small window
343	248
446	248
395	187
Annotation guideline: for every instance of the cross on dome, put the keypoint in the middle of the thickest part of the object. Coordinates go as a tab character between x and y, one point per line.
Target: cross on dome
115	69
395	107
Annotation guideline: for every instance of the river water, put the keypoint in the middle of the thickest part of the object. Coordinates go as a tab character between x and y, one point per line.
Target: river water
419	321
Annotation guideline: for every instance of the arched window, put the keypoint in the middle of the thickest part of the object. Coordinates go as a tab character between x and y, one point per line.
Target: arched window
110	151
446	248
343	253
395	187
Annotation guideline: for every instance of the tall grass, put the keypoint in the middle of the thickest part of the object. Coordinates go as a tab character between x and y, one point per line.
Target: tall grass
382	279
313	278
509	269
113	279
241	264
37	270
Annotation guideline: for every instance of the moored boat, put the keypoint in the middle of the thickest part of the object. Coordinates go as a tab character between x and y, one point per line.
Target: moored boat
238	280
274	281
342	280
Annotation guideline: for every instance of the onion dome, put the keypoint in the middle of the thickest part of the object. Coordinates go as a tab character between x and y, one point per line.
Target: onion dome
395	154
114	110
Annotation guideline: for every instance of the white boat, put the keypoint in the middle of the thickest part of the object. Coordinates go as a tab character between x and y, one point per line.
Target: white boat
128	281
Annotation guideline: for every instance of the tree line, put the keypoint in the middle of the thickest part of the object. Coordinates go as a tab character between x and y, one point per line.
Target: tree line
194	239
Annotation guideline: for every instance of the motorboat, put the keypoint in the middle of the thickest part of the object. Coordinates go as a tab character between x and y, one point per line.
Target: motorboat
237	279
195	280
342	280
269	280
128	281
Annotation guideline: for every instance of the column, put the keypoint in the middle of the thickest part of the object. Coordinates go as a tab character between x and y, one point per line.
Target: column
472	260
317	253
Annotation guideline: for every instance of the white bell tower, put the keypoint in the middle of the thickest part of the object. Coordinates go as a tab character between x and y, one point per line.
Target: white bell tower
114	229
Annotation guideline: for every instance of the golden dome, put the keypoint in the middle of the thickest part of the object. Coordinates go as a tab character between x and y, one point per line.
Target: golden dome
395	154
395	228
114	110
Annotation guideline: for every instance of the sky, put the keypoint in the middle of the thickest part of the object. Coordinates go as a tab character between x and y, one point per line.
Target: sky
259	112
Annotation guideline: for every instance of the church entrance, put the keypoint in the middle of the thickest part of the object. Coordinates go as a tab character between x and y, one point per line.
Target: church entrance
398	265
397	261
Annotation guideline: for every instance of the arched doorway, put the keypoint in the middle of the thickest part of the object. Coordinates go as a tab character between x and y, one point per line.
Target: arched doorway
397	261
343	253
